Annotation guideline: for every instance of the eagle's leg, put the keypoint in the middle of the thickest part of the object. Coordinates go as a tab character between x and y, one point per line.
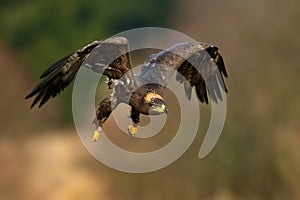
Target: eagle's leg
106	106
135	116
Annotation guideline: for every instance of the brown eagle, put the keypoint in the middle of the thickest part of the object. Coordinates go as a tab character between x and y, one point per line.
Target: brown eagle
198	65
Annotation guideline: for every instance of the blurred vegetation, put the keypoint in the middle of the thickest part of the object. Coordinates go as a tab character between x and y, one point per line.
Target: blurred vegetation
257	156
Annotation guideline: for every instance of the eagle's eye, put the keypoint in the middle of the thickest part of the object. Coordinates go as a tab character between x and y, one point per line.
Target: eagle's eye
152	102
156	102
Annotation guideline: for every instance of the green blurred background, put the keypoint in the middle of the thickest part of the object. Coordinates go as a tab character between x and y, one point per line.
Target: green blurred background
257	156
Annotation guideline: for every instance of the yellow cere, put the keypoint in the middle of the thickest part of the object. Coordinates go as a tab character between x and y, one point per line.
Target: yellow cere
160	109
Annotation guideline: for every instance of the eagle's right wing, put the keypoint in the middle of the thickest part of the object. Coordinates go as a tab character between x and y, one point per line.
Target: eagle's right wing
109	57
200	65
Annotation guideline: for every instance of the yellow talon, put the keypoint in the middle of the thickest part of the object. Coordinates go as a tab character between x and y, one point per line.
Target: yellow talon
132	129
96	135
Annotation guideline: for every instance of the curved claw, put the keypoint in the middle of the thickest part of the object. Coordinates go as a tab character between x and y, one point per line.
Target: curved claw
132	129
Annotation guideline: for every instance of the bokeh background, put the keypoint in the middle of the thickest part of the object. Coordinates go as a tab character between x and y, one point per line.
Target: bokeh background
257	156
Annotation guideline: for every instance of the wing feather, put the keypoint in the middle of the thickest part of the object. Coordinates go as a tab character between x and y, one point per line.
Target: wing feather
111	58
59	75
198	64
55	66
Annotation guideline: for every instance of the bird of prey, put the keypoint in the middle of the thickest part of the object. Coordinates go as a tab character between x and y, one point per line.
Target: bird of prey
200	65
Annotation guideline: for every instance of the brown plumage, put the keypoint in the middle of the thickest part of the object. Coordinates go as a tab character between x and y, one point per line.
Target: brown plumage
198	65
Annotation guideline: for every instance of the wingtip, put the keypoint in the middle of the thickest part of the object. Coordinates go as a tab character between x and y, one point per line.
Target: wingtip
35	103
206	100
32	105
43	75
226	90
41	104
28	95
225	73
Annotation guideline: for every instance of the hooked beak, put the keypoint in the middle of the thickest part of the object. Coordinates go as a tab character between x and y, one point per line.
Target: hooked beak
161	109
166	110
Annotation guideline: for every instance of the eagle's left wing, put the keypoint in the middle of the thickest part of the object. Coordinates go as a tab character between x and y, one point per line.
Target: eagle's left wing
59	75
109	57
200	66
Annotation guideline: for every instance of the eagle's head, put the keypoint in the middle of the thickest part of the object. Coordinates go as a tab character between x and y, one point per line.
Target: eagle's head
155	103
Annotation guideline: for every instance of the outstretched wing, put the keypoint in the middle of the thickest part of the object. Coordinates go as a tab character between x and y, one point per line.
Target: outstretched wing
198	65
109	57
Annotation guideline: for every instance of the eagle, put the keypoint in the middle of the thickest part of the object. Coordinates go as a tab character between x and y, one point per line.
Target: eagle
198	65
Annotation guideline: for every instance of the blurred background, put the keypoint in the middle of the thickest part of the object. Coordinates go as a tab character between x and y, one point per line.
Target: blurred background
257	156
